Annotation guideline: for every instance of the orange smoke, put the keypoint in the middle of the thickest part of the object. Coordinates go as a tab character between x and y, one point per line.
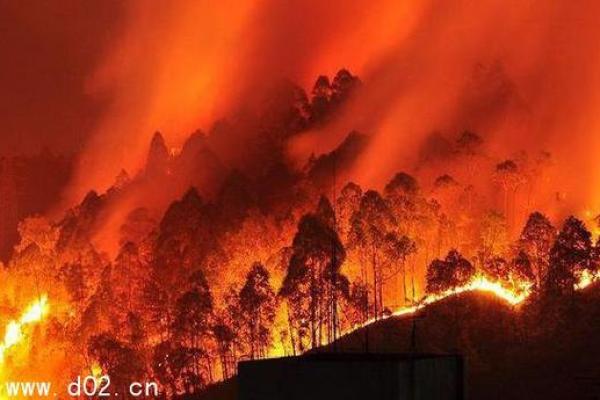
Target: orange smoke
180	66
522	74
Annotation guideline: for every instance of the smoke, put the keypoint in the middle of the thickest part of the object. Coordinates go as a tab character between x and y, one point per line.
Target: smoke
521	74
179	66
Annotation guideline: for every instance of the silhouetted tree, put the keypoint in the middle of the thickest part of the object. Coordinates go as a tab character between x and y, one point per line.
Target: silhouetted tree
397	250
521	271
344	83
258	306
346	205
570	255
369	225
157	164
536	240
492	236
402	195
469	145
313	276
129	276
450	273
192	326
510	177
358	303
321	98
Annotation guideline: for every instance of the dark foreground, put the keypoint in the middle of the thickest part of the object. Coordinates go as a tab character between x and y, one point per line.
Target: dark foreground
541	351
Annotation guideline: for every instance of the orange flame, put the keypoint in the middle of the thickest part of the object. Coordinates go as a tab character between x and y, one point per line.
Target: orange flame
586	278
14	330
480	283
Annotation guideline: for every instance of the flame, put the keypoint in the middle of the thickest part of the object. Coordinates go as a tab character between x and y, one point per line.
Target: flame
586	278
96	370
480	283
14	330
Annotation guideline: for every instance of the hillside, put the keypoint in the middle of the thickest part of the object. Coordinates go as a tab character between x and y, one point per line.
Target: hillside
535	352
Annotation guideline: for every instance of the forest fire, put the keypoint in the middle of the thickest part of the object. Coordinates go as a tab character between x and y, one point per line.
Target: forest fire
231	183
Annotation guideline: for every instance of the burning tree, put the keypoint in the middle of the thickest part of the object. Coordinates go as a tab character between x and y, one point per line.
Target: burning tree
347	204
450	273
570	256
510	178
258	305
313	280
402	195
191	331
369	225
397	250
536	240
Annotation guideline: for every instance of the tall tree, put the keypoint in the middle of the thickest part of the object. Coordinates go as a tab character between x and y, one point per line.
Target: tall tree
313	277
369	225
510	177
536	240
192	326
258	306
402	194
397	250
346	205
570	255
493	236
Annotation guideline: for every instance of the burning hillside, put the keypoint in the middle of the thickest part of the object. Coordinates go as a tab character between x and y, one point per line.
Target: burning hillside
259	185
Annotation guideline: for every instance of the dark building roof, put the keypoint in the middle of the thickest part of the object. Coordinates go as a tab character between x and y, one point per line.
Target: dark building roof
348	376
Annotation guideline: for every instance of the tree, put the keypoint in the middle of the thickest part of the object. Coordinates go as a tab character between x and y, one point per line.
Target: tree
129	276
450	273
225	336
493	236
325	212
258	305
521	274
122	363
402	195
344	83
469	145
570	255
510	177
536	240
369	225
347	204
177	368
192	326
313	279
156	306
157	163
358	303
397	249
321	99
228	327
